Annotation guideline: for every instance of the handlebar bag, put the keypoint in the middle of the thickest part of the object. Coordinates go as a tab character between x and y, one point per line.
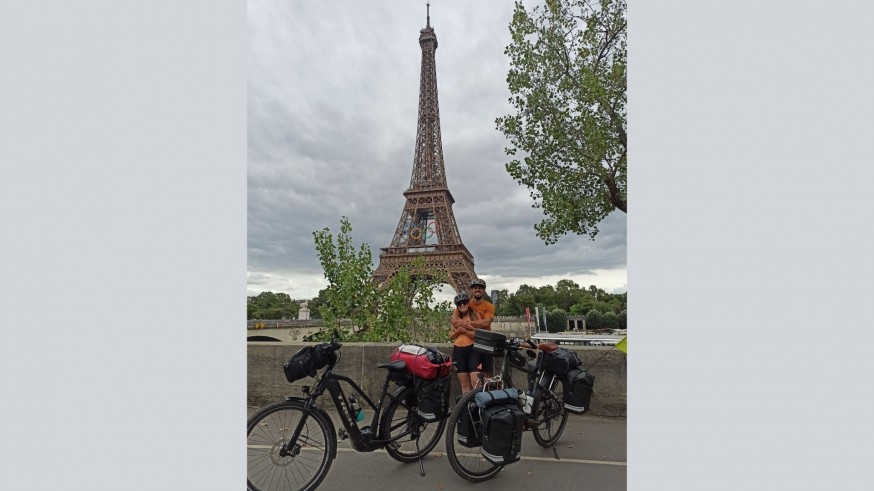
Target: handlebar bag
560	361
502	428
307	361
423	362
578	388
489	343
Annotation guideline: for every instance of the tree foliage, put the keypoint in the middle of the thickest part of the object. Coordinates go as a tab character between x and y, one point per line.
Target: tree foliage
399	311
556	320
582	301
567	81
270	305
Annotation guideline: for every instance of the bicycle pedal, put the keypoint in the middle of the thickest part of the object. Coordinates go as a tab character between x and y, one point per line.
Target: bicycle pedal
342	434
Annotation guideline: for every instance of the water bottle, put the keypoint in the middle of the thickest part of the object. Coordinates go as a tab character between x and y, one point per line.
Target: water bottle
357	412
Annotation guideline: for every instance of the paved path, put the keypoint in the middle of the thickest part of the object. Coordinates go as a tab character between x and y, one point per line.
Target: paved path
592	455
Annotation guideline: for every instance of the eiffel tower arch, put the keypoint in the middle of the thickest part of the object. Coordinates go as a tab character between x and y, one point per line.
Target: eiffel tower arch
427	227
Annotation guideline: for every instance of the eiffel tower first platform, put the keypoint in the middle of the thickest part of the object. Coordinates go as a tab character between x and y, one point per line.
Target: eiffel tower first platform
427	227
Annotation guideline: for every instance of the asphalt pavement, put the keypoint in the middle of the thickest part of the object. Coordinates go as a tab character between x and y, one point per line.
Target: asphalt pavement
592	457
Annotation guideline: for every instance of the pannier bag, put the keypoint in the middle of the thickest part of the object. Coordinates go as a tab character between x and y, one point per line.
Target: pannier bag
432	398
423	362
469	427
502	427
489	343
306	361
578	388
560	361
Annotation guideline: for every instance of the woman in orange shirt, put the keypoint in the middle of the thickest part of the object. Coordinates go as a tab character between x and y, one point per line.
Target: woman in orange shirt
461	334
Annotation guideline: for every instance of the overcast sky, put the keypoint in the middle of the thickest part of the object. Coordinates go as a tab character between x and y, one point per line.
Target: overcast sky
332	110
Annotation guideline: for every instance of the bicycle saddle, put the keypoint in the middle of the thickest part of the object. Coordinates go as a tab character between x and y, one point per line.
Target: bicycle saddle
393	365
547	347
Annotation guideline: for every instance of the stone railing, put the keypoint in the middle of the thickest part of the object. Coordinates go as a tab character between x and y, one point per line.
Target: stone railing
267	383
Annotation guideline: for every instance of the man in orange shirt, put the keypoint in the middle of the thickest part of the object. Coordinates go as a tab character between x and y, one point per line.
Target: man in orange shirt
485	313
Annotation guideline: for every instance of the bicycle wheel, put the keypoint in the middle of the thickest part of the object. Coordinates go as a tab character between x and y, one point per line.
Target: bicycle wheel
400	416
467	462
548	409
307	463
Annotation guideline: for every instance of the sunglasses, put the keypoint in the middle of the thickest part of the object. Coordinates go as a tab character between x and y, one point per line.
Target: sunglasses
463	302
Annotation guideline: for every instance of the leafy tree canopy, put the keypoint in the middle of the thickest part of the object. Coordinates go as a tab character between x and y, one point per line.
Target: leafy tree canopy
567	82
399	311
270	305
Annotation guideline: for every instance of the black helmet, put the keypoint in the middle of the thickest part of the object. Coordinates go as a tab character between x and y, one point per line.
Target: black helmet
461	297
478	282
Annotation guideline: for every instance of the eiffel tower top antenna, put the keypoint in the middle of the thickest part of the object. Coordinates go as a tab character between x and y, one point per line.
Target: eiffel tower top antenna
428	7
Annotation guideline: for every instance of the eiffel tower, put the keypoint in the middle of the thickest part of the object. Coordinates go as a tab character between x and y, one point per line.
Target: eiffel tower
427	226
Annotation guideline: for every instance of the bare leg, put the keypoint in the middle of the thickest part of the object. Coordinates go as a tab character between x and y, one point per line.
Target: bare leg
464	380
473	379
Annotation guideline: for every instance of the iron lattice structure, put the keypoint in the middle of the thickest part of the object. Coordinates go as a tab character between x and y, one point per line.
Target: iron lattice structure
427	227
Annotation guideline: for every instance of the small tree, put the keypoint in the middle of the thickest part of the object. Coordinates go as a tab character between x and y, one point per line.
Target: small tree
556	320
399	311
350	293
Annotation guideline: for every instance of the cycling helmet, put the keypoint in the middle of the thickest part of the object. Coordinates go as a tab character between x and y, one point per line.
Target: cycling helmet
478	282
461	297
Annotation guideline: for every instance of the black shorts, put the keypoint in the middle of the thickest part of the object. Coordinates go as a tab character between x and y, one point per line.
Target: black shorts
466	359
488	363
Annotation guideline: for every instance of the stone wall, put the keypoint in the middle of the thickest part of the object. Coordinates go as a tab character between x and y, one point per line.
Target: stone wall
267	383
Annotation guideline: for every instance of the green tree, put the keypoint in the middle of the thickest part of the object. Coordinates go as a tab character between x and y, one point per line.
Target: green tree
567	82
350	293
594	319
556	320
611	320
502	303
270	305
399	311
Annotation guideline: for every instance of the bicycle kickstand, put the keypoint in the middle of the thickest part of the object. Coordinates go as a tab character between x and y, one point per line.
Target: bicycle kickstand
421	464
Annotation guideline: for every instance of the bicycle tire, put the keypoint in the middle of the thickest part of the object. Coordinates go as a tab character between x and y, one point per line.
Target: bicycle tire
467	462
548	409
399	416
268	429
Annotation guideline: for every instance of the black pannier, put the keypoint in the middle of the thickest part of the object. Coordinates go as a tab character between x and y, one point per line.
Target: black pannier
489	343
432	398
560	361
307	360
469	426
502	428
578	388
502	424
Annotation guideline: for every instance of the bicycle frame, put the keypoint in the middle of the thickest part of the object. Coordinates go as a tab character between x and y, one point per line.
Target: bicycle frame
543	383
362	439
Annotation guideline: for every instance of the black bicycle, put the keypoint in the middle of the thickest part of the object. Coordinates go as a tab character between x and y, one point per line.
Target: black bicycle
542	402
291	444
